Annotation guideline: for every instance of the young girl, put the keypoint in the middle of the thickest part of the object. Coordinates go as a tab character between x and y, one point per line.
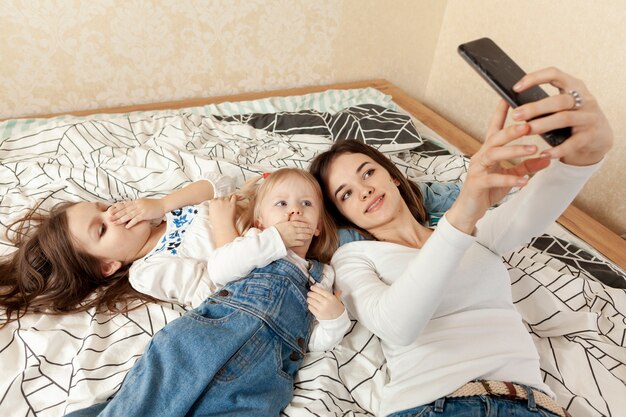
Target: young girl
237	352
76	257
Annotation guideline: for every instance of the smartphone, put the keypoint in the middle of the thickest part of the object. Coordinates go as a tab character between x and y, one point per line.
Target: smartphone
502	73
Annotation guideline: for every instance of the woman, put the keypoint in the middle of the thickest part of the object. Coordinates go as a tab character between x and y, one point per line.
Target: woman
440	300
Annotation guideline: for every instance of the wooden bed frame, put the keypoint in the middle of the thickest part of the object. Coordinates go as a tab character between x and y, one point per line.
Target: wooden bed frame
575	220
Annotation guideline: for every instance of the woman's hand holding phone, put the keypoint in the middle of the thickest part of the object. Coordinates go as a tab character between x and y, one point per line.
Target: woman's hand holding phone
488	181
592	136
571	121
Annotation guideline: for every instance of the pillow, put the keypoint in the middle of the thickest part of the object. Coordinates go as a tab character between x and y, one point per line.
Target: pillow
369	123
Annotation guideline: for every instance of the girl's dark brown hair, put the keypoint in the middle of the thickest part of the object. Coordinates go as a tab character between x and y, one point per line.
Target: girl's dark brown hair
320	166
47	274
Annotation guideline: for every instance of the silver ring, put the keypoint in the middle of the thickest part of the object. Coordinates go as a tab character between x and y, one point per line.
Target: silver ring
578	100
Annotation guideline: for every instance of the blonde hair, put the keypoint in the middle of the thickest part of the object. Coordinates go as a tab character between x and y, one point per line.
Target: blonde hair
252	193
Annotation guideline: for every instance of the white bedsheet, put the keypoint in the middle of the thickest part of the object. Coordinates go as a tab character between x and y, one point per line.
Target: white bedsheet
51	365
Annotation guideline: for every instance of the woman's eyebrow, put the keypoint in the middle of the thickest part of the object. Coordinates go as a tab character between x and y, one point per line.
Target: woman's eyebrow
359	168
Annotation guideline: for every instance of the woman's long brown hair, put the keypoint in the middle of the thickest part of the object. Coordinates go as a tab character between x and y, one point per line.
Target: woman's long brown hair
47	274
320	166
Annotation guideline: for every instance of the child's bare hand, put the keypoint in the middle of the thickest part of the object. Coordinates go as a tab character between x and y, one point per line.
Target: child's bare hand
135	211
323	304
295	233
222	210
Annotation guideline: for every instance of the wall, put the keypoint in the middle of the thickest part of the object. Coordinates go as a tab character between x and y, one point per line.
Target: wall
67	55
394	40
585	38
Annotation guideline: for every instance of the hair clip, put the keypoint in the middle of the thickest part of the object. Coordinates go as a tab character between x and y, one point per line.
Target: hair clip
265	175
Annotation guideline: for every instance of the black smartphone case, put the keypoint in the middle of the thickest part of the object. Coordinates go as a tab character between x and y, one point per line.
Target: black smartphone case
501	73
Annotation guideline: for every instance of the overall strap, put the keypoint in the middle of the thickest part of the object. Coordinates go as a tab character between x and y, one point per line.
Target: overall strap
276	294
316	270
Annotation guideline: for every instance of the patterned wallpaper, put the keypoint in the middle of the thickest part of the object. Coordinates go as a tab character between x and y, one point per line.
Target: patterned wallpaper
70	54
63	55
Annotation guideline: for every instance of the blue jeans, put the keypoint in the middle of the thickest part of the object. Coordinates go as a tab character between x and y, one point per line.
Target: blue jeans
477	406
235	355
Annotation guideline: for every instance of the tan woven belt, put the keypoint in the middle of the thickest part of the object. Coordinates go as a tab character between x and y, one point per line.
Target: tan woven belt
510	391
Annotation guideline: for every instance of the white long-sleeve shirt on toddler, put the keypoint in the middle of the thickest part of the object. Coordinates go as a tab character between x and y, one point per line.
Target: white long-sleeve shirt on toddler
231	262
186	268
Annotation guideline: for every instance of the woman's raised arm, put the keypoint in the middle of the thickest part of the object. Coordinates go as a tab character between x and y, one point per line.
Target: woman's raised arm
488	182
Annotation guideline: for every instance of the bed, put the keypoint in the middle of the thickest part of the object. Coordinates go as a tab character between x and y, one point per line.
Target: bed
568	284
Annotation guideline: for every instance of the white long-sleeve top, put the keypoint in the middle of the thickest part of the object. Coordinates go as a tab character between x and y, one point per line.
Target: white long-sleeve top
444	313
325	334
185	267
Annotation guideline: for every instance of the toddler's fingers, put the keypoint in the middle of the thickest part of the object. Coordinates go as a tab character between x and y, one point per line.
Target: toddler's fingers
315	305
318	288
319	291
313	297
318	300
304	236
298	223
300	230
315	311
305	231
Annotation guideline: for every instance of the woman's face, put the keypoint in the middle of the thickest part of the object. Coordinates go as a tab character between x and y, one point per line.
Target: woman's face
363	191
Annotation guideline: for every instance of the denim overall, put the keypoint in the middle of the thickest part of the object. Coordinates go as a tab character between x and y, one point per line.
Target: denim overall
234	355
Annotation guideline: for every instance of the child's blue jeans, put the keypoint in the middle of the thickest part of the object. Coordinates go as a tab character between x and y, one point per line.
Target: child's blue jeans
234	355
